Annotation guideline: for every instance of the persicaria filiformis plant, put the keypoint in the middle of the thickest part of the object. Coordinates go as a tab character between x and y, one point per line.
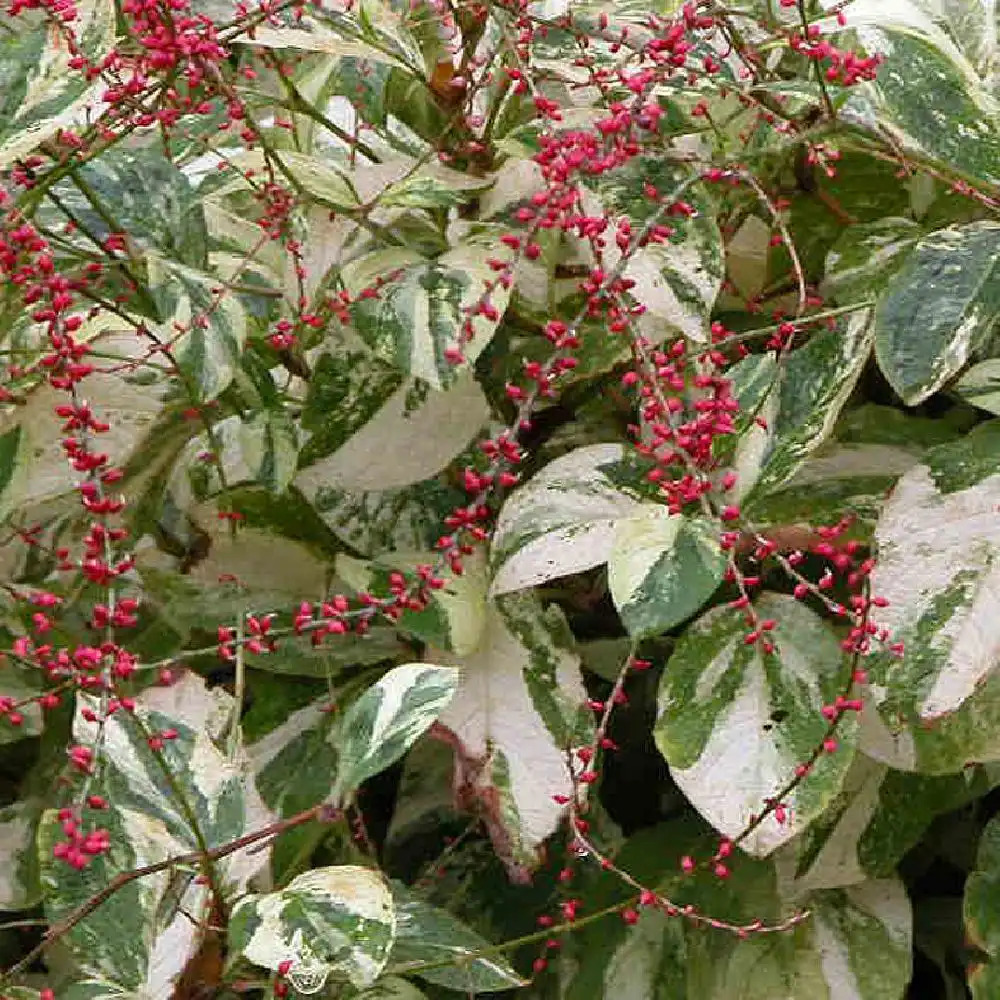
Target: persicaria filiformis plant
499	498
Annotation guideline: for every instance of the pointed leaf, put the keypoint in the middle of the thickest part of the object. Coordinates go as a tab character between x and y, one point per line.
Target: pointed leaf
735	722
938	309
662	569
387	719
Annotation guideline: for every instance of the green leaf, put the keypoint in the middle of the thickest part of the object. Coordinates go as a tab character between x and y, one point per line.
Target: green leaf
455	614
866	257
734	722
982	915
19	884
938	548
311	36
517	709
562	521
337	921
323	180
980	386
940	306
431	308
800	412
387	719
662	569
428	934
39	93
676	281
149	198
270	449
207	329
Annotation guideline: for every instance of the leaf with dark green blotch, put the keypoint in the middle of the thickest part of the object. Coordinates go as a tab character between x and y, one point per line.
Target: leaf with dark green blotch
148	197
321	179
331	923
387	719
562	520
866	257
952	122
662	569
735	721
207	330
430	309
347	389
270	449
19	884
800	412
940	306
427	934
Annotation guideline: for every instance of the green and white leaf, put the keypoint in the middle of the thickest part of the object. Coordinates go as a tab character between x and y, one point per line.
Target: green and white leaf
207	330
662	568
516	711
980	386
416	318
336	922
270	449
939	308
938	547
372	430
19	883
734	723
387	719
562	521
866	257
814	384
429	934
39	93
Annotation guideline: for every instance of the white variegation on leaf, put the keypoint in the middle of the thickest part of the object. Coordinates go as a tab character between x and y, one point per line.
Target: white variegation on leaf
939	568
939	308
337	922
387	720
735	722
19	886
814	384
980	386
663	568
562	521
410	437
516	711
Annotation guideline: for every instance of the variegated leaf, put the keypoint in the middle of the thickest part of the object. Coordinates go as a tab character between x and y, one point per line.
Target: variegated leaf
938	565
562	521
517	710
980	386
735	721
676	281
19	883
800	411
662	568
427	934
938	309
337	922
207	330
39	93
373	430
387	719
270	449
415	319
455	614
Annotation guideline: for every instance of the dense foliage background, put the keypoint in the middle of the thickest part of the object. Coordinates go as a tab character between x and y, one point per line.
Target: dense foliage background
500	497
